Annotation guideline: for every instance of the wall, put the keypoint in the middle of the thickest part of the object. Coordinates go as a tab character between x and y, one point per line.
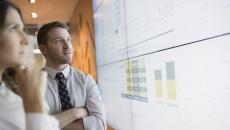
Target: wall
81	26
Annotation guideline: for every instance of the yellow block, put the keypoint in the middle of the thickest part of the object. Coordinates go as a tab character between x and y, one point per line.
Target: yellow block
171	89
159	88
129	89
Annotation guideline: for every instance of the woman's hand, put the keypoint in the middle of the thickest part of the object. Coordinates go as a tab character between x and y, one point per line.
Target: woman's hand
32	85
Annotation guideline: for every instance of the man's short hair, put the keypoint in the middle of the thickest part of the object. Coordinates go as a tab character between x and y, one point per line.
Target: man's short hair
42	36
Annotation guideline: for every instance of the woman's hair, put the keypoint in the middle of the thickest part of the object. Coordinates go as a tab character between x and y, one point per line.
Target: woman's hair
4	6
9	74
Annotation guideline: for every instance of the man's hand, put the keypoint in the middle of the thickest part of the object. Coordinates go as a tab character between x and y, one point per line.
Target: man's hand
80	112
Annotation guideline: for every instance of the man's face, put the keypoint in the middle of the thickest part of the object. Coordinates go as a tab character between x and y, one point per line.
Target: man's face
59	47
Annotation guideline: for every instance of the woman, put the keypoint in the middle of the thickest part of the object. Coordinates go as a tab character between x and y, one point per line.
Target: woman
25	110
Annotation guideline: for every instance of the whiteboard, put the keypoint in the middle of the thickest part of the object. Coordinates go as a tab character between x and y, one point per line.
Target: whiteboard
164	64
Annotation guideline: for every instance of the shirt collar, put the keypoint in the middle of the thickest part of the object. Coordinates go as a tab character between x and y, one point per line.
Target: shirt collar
52	72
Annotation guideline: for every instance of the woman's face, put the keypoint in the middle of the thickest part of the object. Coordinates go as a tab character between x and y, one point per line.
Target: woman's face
13	41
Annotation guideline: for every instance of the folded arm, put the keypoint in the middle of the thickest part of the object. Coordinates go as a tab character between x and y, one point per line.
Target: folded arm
69	116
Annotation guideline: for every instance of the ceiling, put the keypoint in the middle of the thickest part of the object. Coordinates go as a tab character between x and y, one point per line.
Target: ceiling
47	10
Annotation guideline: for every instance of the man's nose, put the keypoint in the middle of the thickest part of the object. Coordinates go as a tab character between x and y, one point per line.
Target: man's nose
68	44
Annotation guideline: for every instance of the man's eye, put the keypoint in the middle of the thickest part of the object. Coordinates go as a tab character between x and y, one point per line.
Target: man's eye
68	40
58	40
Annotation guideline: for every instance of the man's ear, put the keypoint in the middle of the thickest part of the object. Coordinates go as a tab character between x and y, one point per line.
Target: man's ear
43	49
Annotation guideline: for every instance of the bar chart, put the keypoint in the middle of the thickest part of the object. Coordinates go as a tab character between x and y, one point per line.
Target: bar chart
171	82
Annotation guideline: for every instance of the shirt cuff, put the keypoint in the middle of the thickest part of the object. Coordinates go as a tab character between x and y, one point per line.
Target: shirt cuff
92	123
89	123
39	121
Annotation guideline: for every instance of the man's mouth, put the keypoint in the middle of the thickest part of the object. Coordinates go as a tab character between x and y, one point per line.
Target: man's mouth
68	52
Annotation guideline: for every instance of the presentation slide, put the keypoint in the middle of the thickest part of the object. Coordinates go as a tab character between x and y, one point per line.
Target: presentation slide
154	25
119	114
110	34
149	25
164	65
186	91
200	19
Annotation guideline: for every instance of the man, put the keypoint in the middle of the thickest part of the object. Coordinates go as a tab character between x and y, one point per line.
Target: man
72	96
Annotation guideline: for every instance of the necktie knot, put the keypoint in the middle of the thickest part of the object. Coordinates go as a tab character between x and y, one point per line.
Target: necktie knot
59	76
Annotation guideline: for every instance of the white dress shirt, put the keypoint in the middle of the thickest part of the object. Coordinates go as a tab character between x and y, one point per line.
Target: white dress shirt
13	116
83	92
